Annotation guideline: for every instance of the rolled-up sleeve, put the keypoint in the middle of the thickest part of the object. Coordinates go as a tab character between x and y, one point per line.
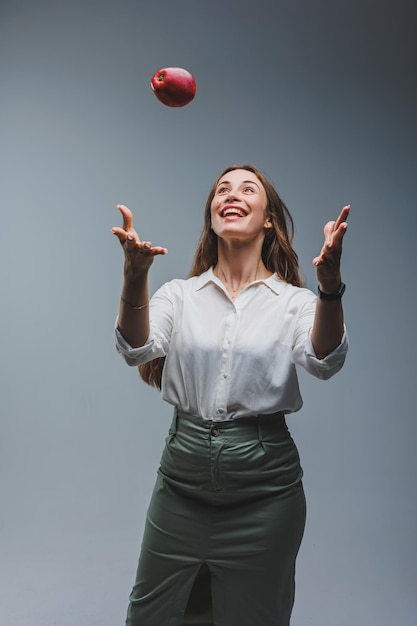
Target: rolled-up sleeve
331	364
303	351
133	356
161	322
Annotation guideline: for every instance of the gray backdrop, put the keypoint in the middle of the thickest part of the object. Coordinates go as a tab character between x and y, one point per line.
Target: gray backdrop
321	96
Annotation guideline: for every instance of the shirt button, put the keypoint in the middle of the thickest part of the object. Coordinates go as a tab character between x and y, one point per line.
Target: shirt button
214	431
220	411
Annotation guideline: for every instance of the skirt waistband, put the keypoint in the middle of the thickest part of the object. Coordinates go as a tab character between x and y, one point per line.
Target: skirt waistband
248	426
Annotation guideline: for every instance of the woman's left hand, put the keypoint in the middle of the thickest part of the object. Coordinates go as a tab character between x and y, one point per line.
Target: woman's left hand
327	264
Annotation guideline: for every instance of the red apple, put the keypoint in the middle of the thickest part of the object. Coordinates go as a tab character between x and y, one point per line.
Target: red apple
173	86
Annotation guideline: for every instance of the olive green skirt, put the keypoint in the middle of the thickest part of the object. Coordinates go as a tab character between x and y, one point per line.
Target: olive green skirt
223	527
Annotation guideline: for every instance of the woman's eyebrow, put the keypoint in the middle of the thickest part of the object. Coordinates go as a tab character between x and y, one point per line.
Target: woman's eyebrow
252	182
244	182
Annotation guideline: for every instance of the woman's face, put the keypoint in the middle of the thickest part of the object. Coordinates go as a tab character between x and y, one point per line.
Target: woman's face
238	208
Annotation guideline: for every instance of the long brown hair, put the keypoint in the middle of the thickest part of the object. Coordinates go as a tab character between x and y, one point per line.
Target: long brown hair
278	254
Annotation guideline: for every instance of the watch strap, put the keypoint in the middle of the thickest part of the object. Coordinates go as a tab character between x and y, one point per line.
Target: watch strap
332	296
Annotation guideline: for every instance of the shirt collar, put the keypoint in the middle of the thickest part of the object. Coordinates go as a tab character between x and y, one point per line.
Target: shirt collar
273	282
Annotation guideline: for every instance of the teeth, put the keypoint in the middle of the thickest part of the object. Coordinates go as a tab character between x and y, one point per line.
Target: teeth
233	212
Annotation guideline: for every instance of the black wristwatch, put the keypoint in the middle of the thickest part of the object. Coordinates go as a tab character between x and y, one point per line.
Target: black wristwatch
332	296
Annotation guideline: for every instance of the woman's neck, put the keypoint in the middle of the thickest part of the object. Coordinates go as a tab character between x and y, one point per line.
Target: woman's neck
237	268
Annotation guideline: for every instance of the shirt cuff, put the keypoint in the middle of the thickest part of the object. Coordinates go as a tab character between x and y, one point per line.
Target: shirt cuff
333	362
132	356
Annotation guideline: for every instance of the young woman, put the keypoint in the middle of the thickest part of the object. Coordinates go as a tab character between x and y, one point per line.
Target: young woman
227	514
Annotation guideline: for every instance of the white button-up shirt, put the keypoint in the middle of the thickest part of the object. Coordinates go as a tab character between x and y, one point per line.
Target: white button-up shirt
228	359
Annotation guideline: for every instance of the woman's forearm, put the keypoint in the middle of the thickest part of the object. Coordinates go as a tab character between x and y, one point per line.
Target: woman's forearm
328	327
134	308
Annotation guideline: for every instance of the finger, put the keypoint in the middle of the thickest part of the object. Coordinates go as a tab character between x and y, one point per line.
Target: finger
143	247
327	253
158	250
338	234
133	242
344	213
127	217
147	248
328	231
335	236
340	225
333	227
120	234
319	260
123	236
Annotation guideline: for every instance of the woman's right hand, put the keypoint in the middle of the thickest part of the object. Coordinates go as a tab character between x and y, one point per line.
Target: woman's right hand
139	255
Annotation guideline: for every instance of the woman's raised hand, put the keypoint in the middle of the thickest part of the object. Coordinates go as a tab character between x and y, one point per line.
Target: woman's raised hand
327	264
139	255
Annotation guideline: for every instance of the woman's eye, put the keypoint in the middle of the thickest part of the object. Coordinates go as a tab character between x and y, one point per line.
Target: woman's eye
222	190
249	189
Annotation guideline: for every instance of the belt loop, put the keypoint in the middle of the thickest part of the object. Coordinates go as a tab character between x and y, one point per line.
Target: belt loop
259	426
174	422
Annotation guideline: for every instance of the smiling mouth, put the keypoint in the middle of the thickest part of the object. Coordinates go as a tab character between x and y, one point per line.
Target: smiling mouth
232	212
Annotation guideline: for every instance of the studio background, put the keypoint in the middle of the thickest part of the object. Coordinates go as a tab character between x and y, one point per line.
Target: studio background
321	96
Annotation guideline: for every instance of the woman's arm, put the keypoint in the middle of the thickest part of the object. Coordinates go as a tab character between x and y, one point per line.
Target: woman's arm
328	325
133	321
